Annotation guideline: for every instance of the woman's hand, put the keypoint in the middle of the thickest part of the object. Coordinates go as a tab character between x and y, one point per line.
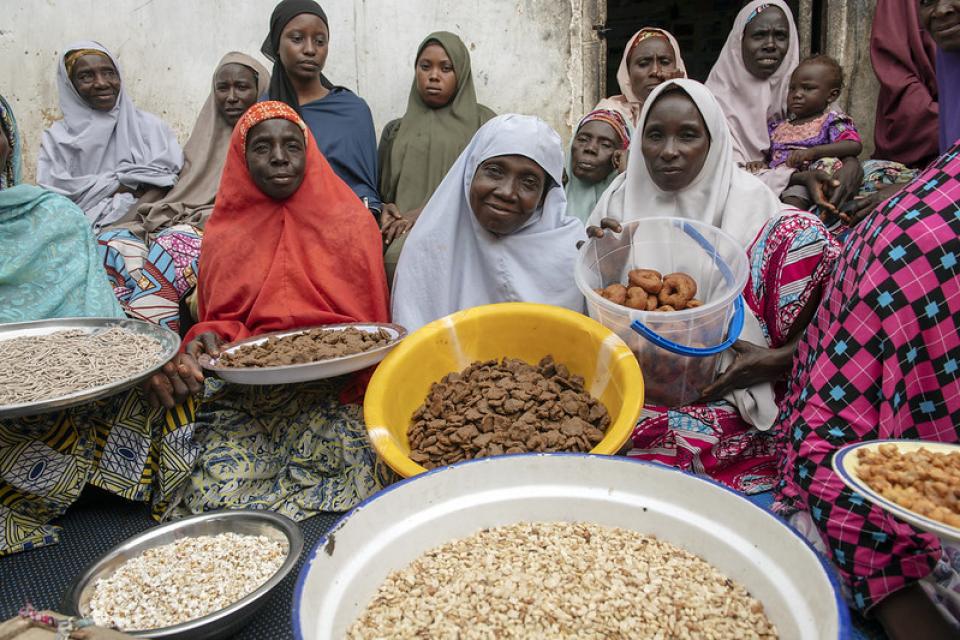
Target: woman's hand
176	381
755	166
395	224
799	158
206	343
909	613
850	177
597	232
821	187
752	365
866	204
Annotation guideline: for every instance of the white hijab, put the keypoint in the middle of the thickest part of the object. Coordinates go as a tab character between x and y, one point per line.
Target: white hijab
450	262
722	195
89	154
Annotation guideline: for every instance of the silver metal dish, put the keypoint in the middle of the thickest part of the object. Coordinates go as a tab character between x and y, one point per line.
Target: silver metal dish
219	624
292	373
169	342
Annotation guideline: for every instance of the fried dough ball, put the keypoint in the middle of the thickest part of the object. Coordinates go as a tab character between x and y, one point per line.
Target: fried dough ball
615	293
647	279
678	290
637	298
694	303
665	308
652	303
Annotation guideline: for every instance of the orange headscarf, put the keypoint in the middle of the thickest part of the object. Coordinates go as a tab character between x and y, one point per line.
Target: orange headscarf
267	265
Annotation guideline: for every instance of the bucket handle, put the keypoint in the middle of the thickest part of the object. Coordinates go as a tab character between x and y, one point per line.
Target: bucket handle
736	327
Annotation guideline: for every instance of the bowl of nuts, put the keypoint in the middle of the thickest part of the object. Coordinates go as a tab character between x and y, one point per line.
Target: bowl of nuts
564	546
199	578
917	481
503	379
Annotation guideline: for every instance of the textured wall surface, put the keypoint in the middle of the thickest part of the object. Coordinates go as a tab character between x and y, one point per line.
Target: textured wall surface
528	55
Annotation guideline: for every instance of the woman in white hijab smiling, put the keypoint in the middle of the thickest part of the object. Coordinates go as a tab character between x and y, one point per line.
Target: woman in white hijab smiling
682	164
495	230
105	152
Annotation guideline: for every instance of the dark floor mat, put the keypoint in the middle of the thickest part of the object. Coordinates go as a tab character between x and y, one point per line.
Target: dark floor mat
98	523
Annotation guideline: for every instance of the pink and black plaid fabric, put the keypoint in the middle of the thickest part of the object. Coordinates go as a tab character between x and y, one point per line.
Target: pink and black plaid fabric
880	360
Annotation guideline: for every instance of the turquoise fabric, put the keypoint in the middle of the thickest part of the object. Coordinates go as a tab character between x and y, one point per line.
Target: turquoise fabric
54	270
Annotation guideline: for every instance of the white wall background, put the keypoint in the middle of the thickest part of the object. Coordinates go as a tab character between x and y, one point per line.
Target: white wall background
526	54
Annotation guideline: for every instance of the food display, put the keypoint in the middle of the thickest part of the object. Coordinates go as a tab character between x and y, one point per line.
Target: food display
561	580
648	290
184	580
41	367
923	481
308	346
503	407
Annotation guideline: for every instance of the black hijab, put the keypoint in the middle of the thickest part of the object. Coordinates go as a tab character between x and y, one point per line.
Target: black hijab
280	86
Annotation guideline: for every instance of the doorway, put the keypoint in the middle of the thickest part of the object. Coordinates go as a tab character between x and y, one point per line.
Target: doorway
700	26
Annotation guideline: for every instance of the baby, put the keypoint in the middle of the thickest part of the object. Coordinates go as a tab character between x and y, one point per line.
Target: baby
813	135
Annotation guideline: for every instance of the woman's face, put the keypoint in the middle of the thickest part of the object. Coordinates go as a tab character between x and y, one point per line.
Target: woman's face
234	91
97	81
303	47
505	193
650	63
436	77
941	19
592	151
675	141
276	157
766	40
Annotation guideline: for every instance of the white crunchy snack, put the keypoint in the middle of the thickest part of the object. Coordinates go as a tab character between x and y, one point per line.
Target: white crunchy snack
184	580
561	580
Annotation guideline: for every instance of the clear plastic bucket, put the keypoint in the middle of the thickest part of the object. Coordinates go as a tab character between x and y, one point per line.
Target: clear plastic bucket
678	352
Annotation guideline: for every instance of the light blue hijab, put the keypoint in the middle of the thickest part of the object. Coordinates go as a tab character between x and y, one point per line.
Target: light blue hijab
49	267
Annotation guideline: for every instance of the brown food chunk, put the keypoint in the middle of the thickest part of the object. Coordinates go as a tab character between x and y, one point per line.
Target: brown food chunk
492	408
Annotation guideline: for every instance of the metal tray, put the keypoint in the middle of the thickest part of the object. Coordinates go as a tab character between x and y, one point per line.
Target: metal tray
846	465
342	573
169	342
219	624
292	373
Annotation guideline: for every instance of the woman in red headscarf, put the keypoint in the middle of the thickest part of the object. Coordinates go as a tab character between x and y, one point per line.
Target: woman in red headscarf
288	245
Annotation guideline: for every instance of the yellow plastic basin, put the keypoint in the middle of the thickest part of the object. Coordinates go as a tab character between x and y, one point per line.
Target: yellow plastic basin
512	330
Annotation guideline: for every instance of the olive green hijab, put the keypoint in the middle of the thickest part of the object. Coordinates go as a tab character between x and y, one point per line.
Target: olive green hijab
428	141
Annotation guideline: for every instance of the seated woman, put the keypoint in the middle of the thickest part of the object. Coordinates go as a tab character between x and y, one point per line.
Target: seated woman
288	245
105	152
340	121
149	253
417	150
598	152
878	362
750	80
495	229
683	166
125	444
652	56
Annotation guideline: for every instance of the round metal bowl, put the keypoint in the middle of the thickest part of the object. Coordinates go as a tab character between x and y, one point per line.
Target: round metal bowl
220	624
799	593
307	371
169	343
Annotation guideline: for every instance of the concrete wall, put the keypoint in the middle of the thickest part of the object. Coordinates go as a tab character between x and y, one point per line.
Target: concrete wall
529	56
